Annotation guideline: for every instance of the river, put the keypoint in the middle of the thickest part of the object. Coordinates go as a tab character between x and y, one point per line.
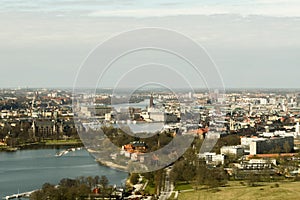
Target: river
27	170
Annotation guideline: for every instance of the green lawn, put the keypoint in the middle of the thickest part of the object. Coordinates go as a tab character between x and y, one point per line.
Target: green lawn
172	196
150	189
289	190
183	186
60	142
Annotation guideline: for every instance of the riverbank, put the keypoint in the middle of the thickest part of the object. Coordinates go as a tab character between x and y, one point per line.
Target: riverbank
8	149
43	144
111	165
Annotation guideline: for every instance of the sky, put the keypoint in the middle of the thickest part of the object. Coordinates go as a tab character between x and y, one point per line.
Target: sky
254	43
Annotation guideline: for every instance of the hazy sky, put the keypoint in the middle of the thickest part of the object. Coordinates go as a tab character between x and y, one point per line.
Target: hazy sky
254	43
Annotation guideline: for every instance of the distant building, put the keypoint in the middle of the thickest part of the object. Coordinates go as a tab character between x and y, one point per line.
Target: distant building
272	145
157	115
91	111
151	101
134	150
46	127
212	158
279	133
246	141
257	164
232	150
135	147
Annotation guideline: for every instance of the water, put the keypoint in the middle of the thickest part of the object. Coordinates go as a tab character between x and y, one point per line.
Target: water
142	105
27	170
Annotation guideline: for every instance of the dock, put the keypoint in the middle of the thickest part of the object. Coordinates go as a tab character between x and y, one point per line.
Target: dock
19	195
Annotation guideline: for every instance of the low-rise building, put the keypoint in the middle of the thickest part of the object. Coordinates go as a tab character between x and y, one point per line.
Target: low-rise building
257	164
212	158
232	150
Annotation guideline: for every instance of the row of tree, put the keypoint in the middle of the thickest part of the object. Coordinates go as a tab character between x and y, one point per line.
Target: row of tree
70	189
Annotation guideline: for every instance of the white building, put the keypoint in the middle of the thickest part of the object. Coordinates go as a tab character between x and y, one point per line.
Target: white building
157	116
263	101
280	133
246	141
212	158
257	164
213	135
232	150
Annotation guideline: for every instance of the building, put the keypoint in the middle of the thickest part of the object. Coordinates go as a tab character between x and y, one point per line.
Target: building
91	111
279	133
246	141
232	150
157	116
135	147
47	128
257	164
272	145
212	158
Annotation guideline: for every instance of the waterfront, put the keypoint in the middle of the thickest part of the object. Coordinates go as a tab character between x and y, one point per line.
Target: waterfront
27	170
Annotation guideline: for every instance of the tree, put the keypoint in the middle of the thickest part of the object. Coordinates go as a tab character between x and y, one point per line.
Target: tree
158	178
215	177
66	182
252	179
104	182
176	173
201	174
134	178
97	178
69	189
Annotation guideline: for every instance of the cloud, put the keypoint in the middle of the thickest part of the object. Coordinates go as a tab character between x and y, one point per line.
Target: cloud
248	43
146	8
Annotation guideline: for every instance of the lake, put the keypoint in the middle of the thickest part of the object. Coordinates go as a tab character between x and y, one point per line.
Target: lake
27	170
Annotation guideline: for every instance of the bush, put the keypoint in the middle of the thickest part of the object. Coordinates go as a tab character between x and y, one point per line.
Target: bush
134	178
297	178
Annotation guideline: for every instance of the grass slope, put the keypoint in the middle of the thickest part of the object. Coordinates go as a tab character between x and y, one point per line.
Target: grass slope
267	191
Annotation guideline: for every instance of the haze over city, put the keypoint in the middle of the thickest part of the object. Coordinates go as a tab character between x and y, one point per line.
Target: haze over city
254	43
149	99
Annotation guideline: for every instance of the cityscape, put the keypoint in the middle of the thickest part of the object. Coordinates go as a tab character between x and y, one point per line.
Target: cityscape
149	100
255	134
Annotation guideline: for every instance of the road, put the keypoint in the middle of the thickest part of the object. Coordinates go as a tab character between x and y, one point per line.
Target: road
168	187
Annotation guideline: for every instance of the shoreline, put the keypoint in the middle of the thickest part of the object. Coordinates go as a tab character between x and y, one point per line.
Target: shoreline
111	165
41	145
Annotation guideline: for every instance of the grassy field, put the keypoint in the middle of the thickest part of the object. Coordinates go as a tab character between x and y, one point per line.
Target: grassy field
63	142
286	190
183	186
150	189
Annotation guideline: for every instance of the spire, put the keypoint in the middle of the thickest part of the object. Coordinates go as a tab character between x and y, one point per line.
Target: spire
151	101
33	128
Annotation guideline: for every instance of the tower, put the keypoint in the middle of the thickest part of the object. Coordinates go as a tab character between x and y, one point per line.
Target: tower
249	109
33	129
231	125
151	101
297	128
